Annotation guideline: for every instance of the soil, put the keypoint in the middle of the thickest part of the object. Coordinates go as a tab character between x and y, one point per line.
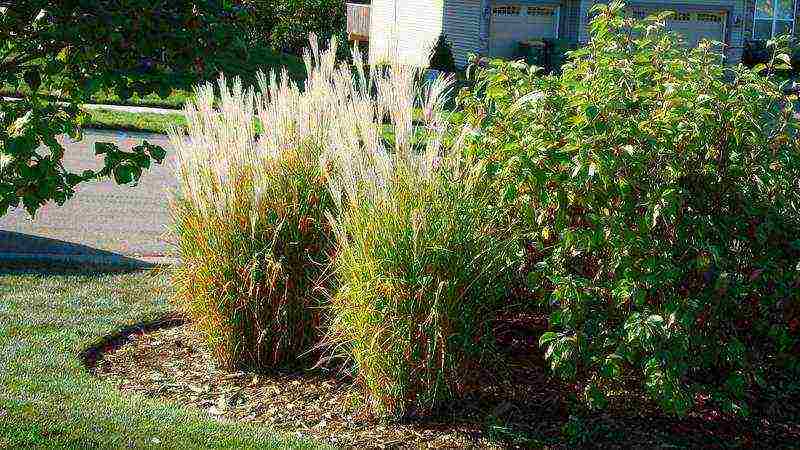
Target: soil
525	408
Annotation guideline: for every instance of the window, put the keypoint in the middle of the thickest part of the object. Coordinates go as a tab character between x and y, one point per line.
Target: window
773	18
708	17
680	17
539	11
507	10
639	14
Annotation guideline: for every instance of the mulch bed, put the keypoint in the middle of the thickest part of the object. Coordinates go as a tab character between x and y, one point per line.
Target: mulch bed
525	408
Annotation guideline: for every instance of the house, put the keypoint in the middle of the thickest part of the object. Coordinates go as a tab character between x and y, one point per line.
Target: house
404	30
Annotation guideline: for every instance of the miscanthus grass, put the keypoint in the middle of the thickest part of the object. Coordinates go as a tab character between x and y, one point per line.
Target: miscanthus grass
248	214
422	255
278	183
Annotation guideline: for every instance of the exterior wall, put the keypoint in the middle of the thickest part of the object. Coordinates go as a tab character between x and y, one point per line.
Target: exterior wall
747	18
583	21
405	31
569	27
738	27
382	31
462	25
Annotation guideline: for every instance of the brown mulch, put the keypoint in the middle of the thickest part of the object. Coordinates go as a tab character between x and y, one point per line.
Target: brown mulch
527	409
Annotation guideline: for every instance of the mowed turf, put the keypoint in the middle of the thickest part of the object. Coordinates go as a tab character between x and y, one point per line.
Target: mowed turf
48	399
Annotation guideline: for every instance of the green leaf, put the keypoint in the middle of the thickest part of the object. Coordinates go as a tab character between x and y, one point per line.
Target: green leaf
104	148
73	179
123	174
785	58
546	338
511	193
591	112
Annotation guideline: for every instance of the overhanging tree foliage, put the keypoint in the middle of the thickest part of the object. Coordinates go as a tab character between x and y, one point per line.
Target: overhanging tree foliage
75	48
284	25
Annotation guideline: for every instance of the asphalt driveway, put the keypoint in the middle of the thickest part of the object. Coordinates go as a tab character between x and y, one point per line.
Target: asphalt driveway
103	221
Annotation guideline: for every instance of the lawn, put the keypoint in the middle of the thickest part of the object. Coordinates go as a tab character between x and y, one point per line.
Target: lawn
47	397
105	119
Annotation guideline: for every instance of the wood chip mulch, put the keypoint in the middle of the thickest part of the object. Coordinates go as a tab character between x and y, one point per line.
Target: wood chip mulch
527	409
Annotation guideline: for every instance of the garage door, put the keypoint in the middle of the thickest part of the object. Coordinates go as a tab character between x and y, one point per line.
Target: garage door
693	26
513	23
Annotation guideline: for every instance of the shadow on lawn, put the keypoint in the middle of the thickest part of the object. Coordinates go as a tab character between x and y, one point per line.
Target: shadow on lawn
90	356
28	251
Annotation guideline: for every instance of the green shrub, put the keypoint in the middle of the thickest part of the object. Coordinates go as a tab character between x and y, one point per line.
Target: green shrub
758	52
660	191
442	57
557	53
420	259
284	25
248	217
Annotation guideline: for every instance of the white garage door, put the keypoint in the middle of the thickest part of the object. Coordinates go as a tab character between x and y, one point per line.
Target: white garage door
693	26
513	23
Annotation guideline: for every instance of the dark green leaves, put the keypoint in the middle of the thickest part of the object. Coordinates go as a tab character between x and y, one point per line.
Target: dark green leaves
33	79
127	167
80	48
126	173
154	151
653	187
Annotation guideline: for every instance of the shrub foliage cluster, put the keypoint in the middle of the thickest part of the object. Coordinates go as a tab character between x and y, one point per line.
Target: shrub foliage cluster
284	25
659	188
645	198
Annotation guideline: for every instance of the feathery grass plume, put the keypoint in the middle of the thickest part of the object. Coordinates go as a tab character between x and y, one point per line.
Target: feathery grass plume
248	214
421	255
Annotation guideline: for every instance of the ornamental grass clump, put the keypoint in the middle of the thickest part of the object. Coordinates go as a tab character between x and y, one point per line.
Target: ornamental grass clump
249	215
660	190
421	258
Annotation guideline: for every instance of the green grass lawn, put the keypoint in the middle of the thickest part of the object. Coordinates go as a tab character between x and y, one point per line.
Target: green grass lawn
155	123
145	122
47	397
175	100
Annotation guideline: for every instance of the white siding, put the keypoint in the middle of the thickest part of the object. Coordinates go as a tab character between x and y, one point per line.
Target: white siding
405	31
381	31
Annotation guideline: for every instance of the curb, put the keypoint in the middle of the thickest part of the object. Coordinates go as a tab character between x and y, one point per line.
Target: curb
118	108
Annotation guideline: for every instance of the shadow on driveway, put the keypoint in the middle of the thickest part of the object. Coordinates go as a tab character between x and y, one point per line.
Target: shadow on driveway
27	249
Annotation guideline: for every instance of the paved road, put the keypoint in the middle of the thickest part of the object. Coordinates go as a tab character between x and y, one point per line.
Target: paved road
103	221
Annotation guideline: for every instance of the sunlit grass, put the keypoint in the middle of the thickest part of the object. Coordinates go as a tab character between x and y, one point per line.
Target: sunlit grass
144	122
47	397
